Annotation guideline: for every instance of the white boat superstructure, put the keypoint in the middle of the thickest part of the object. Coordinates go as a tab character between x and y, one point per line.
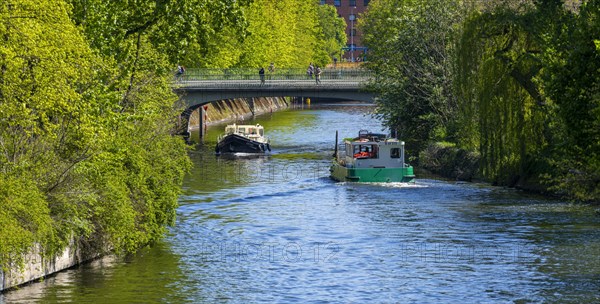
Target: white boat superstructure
243	139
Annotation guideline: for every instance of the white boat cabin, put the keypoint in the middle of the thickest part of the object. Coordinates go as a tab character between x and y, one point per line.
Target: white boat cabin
372	151
254	132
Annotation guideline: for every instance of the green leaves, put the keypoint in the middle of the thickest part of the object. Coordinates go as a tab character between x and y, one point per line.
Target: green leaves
24	218
289	33
86	145
516	80
572	81
333	32
87	110
411	51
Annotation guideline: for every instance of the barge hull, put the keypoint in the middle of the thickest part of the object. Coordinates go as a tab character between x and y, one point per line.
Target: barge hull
372	175
234	143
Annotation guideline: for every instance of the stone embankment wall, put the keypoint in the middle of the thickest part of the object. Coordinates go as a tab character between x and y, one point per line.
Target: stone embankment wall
240	108
37	267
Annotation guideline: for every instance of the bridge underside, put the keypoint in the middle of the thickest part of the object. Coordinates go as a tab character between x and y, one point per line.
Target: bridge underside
197	97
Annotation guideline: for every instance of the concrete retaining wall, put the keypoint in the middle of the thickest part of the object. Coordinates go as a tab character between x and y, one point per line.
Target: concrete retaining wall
230	110
36	267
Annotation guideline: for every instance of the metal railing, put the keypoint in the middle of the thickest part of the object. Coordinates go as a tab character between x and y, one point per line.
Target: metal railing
352	75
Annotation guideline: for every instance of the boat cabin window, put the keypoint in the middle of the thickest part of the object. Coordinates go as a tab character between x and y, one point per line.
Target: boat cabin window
366	151
395	153
242	130
261	132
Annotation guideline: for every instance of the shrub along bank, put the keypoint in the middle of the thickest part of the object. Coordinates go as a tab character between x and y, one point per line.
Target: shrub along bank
85	153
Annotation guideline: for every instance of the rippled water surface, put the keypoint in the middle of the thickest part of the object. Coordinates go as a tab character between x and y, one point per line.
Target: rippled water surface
276	229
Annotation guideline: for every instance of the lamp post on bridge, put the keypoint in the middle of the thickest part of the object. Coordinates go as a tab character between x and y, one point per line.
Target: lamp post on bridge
352	17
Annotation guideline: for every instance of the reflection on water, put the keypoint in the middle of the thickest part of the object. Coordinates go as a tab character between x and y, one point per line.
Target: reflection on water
111	280
275	228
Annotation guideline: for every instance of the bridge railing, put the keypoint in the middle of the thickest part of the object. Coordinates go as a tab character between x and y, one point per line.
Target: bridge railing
279	74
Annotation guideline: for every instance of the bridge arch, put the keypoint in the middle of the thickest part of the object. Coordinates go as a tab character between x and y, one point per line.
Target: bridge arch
197	89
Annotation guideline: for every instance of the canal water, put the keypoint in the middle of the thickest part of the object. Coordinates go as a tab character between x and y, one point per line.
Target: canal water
276	229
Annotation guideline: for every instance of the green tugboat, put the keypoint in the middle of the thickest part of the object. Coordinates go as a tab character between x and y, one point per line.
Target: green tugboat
371	158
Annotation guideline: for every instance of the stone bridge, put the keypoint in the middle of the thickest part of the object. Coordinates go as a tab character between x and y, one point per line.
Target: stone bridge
202	86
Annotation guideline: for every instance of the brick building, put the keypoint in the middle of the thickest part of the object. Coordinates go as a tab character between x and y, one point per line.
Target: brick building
350	10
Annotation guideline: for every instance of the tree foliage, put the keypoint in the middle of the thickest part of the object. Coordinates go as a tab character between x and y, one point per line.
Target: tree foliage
572	81
498	65
333	27
86	145
88	113
289	33
185	31
516	81
46	127
411	51
521	70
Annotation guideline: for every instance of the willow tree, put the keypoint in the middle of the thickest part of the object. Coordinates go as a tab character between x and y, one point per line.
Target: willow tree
503	53
411	52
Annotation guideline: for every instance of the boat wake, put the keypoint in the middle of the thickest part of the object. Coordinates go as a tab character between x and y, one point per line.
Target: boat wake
388	185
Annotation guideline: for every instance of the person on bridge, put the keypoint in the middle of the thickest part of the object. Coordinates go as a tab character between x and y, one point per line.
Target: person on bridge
318	75
180	71
271	70
310	71
261	73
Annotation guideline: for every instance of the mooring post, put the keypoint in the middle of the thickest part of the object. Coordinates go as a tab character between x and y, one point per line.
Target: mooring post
203	122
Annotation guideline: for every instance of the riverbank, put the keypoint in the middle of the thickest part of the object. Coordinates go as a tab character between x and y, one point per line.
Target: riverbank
448	161
36	267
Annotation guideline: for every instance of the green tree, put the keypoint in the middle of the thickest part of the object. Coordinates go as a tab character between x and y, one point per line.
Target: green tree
411	52
572	81
499	66
86	132
286	32
192	32
135	178
47	123
532	95
515	80
333	28
88	114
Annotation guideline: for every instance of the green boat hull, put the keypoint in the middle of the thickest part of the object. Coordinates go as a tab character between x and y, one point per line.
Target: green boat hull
372	175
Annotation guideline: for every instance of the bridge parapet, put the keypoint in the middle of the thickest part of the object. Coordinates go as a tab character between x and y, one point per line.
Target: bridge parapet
287	85
352	75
